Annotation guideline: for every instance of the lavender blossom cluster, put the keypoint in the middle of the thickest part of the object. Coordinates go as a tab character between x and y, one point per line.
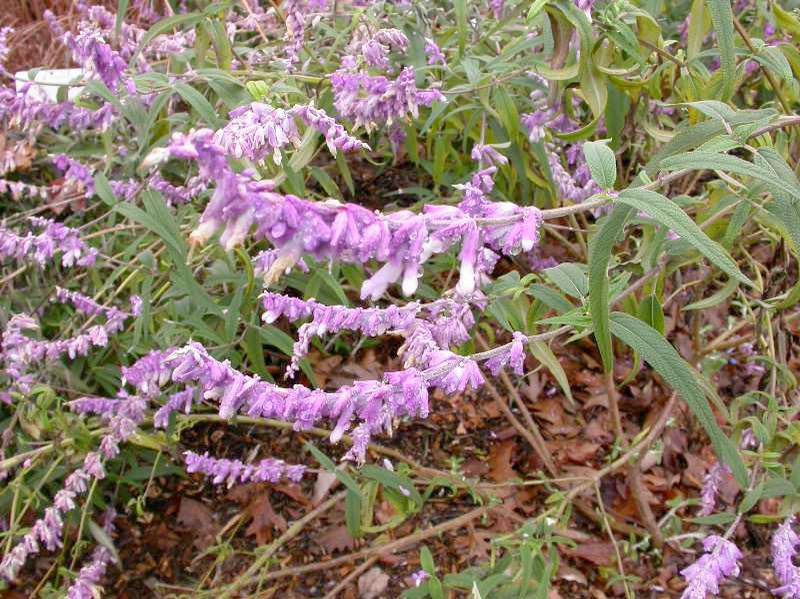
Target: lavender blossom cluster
372	101
448	320
785	543
39	248
402	240
123	417
704	576
233	472
258	130
19	352
87	584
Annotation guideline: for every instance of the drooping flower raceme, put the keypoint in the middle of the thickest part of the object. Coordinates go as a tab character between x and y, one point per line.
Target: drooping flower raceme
434	53
19	353
374	101
5	32
233	472
295	11
448	320
711	482
25	110
785	542
39	248
258	130
122	422
720	560
87	584
485	155
364	408
375	47
402	240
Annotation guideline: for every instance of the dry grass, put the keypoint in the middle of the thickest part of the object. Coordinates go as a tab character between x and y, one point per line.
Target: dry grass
32	43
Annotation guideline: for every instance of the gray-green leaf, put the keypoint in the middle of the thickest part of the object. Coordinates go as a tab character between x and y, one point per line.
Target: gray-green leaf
657	352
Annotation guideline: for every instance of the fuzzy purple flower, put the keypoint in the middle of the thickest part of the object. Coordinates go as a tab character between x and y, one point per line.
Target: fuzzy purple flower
366	407
54	238
711	482
513	357
720	560
785	542
5	32
402	240
373	101
486	155
295	11
434	53
256	131
48	529
233	472
182	401
497	7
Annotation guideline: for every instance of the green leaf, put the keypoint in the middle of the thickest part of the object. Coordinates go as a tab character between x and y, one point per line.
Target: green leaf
103	189
393	480
714	109
696	135
671	216
722	18
717	298
197	101
542	352
550	298
352	513
600	248
602	163
570	278
657	352
461	22
774	59
426	561
700	160
651	313
122	8
752	497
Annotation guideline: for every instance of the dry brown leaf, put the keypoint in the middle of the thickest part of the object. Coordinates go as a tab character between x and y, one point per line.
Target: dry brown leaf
500	468
197	518
550	410
336	538
582	451
600	553
263	519
322	487
294	491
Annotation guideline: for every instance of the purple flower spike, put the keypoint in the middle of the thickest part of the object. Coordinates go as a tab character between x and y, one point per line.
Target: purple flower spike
486	155
54	238
711	482
87	584
434	53
784	550
720	560
233	472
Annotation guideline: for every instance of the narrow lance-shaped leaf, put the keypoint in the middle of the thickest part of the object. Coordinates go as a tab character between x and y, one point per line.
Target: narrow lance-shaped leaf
700	160
722	17
671	216
657	352
600	248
